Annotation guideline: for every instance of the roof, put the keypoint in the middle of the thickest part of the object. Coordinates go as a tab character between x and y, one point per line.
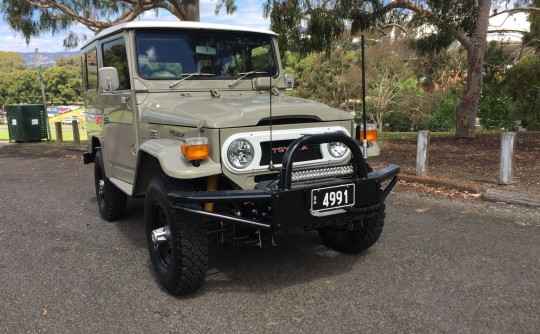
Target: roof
175	25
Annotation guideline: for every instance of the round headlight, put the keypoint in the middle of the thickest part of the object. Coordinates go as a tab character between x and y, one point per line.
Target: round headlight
337	150
240	153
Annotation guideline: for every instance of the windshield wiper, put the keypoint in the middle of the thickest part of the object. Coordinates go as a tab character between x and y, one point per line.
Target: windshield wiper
243	75
189	75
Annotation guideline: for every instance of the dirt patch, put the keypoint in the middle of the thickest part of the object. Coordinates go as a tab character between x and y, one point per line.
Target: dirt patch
474	161
36	150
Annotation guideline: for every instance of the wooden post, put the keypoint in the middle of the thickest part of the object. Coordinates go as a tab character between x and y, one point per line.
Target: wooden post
422	153
76	136
58	127
506	167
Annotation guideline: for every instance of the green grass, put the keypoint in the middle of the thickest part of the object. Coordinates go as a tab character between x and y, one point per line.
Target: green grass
384	136
411	135
67	135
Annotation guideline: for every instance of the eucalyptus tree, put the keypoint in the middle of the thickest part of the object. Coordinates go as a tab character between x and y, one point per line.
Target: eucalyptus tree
532	37
10	61
33	17
308	25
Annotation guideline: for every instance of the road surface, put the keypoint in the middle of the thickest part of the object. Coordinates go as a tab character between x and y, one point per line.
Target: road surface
440	266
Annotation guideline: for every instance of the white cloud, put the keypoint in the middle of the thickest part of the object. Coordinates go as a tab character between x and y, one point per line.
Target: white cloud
517	22
248	14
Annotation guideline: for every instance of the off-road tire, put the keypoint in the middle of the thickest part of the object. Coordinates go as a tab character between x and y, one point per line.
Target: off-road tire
357	240
181	264
111	200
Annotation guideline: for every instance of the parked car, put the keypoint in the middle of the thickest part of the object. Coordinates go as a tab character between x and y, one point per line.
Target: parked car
70	119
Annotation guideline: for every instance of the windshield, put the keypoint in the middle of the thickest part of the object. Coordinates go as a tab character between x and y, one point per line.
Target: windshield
173	54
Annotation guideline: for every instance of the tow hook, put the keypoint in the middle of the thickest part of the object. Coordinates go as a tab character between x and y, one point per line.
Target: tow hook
161	235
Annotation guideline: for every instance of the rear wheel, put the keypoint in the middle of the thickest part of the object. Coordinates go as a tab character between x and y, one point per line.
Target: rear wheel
178	243
111	200
356	240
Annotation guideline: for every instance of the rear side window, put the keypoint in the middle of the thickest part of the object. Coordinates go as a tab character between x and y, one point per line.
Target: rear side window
90	70
114	55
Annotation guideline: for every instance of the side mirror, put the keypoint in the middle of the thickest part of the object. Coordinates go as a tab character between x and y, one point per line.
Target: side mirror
108	78
289	81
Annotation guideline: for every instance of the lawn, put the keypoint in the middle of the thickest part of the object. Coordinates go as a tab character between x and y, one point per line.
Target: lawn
66	134
411	135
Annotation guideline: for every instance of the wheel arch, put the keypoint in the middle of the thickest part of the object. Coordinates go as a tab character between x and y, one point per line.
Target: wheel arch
164	156
93	145
148	166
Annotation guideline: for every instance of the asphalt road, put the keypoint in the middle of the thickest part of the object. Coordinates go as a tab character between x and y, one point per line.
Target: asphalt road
441	265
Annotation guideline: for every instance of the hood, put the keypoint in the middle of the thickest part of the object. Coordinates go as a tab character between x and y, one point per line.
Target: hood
233	111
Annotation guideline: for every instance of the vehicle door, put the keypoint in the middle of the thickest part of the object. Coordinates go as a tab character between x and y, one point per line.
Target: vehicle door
118	116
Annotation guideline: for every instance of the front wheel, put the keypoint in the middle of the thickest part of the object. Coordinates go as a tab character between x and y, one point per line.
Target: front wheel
356	240
178	244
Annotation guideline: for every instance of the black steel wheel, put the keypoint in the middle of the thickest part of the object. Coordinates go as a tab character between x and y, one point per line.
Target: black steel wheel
178	243
111	200
354	241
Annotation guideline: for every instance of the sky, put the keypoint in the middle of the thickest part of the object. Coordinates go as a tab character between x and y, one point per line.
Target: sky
249	14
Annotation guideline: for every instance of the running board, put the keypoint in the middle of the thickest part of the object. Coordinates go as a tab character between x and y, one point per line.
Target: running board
124	186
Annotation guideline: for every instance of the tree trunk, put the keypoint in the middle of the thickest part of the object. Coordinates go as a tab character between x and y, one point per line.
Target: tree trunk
476	49
192	12
466	115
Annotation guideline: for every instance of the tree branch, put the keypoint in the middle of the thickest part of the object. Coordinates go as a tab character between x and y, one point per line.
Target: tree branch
515	10
506	30
388	25
404	4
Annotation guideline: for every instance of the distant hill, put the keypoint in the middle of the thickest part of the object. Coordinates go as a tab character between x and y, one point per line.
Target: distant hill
47	58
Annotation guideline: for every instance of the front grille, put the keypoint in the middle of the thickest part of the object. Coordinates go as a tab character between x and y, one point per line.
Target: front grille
312	152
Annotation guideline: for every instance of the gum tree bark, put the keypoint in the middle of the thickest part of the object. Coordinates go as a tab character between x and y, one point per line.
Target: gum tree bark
476	49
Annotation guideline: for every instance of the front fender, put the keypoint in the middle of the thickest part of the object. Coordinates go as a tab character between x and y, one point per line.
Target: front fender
164	156
168	153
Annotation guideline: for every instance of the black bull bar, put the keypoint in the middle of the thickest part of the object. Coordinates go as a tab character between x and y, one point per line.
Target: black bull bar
291	203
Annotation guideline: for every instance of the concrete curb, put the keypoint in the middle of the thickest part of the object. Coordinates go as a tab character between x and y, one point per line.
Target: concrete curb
492	194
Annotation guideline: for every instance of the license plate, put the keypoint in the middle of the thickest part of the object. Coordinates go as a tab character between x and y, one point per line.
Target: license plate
330	198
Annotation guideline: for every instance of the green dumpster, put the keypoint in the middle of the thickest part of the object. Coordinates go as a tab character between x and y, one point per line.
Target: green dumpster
26	122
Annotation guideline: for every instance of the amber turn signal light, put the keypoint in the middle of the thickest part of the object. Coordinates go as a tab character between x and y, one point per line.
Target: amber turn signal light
195	148
371	135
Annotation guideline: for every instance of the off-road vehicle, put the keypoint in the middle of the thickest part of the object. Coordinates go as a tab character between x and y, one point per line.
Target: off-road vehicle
195	118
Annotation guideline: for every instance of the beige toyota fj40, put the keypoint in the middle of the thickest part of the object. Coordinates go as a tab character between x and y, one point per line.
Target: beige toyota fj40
194	117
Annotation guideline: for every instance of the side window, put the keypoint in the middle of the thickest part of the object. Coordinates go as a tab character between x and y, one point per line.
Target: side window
114	55
262	59
90	71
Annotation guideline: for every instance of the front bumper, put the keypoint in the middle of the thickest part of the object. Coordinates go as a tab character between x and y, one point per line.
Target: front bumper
291	203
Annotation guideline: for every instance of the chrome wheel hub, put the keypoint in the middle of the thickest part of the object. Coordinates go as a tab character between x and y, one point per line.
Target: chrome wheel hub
161	235
101	190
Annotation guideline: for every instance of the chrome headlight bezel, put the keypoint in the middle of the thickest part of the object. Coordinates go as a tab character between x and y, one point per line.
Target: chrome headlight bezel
337	150
240	153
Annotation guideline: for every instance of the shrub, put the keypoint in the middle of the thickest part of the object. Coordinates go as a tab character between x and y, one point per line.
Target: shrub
443	117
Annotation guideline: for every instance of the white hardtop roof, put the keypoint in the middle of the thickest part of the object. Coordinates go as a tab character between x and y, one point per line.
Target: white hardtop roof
176	25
